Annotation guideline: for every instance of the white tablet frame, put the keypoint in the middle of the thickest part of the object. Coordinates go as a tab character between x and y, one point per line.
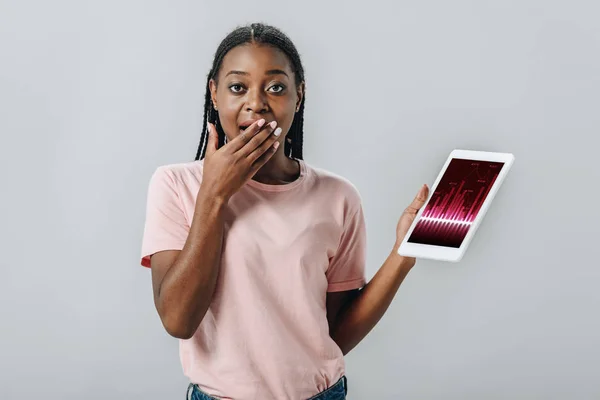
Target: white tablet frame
453	254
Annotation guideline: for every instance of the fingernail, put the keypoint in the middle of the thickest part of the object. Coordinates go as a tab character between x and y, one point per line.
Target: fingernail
273	124
276	145
261	122
277	132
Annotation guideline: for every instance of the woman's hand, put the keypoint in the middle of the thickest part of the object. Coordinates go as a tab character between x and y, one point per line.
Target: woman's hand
227	169
408	216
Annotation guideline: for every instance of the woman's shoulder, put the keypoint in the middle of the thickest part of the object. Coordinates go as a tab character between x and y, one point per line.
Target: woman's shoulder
334	182
183	172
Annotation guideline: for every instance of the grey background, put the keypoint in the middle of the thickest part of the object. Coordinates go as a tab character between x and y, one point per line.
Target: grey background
95	95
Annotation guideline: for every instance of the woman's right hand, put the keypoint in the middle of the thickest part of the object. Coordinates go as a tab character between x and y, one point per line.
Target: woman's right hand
227	169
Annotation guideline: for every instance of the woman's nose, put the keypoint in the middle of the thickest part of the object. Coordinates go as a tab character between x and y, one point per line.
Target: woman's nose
256	102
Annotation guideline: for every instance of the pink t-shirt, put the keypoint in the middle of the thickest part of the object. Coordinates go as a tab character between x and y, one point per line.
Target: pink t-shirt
265	335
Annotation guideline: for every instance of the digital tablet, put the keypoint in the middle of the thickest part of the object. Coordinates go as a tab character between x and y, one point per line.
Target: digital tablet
457	202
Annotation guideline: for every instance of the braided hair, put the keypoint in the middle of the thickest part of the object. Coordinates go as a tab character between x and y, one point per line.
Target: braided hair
263	34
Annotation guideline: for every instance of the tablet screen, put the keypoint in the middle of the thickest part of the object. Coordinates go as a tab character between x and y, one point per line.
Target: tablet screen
455	202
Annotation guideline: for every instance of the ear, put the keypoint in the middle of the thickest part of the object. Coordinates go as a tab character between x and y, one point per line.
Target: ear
213	92
300	94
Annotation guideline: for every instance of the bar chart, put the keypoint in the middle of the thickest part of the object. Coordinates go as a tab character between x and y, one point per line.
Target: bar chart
455	203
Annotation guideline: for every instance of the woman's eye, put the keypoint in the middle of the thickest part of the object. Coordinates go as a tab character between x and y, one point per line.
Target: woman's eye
279	88
236	88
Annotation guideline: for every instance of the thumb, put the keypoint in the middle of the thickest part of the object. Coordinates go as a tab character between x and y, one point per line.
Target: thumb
212	143
419	200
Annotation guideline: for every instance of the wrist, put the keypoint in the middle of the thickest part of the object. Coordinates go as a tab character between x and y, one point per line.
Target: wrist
208	199
401	261
207	193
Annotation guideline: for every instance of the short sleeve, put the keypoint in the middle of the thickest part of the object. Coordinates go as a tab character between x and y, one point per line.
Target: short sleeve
347	267
166	227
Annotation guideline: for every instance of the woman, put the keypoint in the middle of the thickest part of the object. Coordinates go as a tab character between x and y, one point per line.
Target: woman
257	258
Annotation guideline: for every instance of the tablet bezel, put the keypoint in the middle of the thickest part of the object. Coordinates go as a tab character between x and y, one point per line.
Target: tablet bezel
441	253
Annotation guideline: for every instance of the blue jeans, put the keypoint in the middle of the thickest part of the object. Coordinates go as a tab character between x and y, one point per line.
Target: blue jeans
337	391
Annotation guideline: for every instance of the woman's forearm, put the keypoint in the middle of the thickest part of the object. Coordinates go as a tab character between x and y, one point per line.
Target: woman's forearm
365	310
187	288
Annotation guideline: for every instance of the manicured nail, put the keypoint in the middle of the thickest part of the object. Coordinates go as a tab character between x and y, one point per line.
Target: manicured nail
261	122
276	145
277	131
273	124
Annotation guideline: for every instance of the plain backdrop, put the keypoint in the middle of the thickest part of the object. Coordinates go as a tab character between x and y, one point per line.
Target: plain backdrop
95	95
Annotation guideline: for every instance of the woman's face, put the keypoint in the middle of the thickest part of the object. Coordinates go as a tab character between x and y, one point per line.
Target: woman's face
254	82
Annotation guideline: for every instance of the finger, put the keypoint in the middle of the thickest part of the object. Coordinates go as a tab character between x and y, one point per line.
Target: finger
258	139
418	201
212	143
242	139
265	156
267	144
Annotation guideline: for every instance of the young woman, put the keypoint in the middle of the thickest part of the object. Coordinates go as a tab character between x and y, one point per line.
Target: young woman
257	258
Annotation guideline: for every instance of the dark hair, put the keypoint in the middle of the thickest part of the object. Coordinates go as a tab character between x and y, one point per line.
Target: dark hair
263	34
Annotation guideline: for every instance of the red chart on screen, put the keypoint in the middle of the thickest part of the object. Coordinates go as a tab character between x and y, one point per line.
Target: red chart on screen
457	200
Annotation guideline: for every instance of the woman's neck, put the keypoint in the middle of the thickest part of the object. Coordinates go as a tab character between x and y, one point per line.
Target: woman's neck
279	170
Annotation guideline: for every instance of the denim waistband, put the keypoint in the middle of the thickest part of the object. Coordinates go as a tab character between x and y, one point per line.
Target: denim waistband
337	391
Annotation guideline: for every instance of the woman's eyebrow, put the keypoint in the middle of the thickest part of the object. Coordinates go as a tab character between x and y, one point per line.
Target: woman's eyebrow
269	72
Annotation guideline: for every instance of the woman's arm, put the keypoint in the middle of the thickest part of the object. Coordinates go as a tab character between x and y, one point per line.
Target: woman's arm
184	281
352	315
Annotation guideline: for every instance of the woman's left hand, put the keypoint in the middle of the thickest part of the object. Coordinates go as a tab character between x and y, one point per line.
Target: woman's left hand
408	216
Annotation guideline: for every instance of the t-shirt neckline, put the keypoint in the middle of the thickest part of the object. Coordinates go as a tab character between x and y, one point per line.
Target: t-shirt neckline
286	186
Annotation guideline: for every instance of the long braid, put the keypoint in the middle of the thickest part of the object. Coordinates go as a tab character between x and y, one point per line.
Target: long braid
254	33
203	140
293	147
